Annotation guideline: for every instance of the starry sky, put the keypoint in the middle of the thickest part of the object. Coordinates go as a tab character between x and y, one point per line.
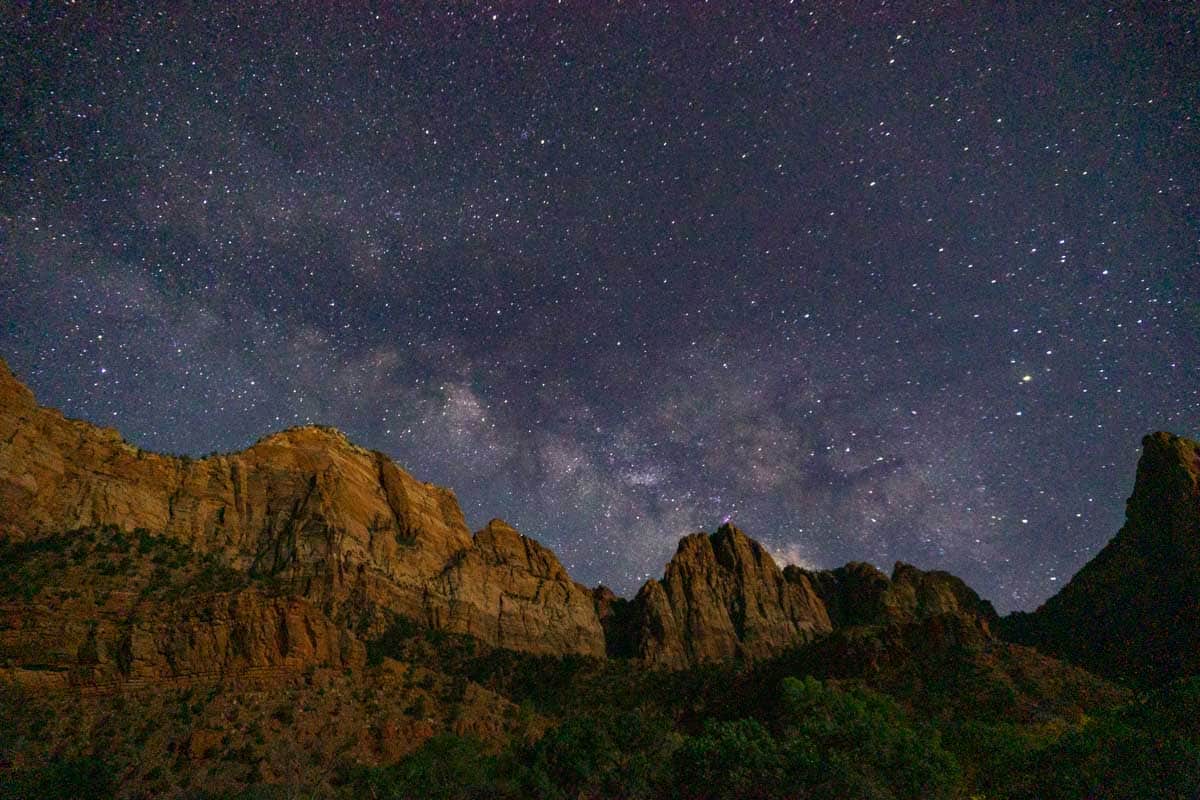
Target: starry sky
876	281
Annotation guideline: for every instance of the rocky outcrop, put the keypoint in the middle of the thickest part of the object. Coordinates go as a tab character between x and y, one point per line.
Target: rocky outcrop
859	594
1132	613
508	589
345	526
722	596
354	538
238	634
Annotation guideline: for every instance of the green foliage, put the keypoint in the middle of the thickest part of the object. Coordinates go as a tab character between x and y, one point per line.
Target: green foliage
1149	748
613	755
446	767
832	743
392	643
732	760
950	724
858	743
65	779
30	565
216	576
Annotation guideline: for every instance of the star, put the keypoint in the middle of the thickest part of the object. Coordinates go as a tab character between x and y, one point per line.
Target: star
615	276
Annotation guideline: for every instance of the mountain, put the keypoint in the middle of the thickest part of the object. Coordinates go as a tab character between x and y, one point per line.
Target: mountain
1133	612
859	594
342	526
365	543
304	617
722	596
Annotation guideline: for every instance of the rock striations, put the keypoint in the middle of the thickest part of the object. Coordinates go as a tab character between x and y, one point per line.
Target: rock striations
1133	611
722	597
224	634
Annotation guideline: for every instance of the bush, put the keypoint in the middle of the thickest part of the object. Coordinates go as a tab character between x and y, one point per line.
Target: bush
66	779
731	760
1149	748
856	743
446	767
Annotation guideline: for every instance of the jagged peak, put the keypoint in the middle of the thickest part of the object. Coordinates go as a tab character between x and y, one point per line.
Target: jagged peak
499	530
498	534
903	571
727	530
308	434
725	534
12	390
1133	611
498	524
1169	464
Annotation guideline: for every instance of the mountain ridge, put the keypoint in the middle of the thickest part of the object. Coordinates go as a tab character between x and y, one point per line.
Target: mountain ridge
1133	610
364	540
306	613
350	531
360	535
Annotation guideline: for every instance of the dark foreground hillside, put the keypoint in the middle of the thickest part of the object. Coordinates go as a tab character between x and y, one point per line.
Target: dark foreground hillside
934	708
618	731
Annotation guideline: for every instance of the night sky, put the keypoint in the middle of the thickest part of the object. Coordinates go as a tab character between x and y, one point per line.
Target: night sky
875	282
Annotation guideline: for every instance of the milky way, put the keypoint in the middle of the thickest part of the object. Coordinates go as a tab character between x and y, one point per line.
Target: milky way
875	282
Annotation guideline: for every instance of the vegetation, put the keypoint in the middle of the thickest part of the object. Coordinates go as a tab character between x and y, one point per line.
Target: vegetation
717	732
961	720
834	743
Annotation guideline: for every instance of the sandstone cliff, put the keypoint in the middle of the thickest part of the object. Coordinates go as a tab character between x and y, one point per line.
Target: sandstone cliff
241	635
1133	611
859	594
722	597
343	533
345	526
508	589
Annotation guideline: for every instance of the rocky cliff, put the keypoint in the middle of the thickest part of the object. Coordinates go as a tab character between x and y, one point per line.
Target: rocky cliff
722	596
344	526
364	542
1133	611
242	634
859	594
342	532
508	589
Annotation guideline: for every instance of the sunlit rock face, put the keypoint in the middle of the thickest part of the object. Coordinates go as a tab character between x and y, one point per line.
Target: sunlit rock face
722	596
344	525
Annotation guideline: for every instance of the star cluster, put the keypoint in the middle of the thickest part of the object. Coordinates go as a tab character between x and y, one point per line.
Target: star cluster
874	281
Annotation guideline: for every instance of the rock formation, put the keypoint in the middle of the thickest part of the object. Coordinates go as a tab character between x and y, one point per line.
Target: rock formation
347	527
212	636
859	594
508	589
1133	611
722	597
349	541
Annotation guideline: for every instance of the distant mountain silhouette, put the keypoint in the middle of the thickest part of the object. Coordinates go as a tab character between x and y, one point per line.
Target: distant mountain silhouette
1133	612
